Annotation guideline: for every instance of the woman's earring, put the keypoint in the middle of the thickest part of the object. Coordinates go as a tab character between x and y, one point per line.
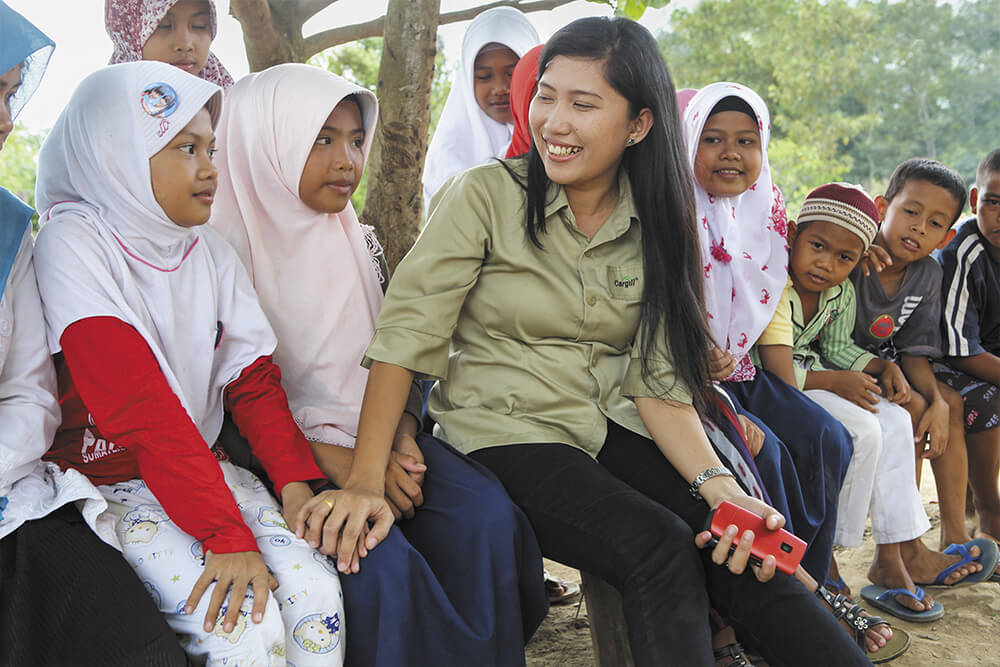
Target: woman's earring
630	141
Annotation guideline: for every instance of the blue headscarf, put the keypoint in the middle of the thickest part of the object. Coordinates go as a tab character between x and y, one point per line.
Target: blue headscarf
24	44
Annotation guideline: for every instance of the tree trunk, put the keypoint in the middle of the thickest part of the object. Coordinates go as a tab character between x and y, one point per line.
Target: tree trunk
395	166
272	32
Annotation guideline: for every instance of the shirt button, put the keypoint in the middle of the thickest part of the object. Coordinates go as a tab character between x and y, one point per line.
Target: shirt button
588	253
591	300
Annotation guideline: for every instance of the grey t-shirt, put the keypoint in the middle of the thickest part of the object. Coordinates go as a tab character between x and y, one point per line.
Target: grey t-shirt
909	322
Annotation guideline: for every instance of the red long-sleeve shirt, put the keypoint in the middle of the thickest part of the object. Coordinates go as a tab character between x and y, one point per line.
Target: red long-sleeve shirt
122	420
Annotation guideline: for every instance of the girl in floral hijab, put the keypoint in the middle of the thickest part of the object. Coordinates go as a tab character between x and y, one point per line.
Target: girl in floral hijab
178	32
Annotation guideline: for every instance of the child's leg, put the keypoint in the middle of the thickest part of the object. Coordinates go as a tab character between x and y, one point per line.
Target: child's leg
982	419
308	595
168	561
951	473
856	492
984	468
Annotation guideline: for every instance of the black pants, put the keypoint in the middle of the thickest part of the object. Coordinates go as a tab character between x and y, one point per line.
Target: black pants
66	598
629	519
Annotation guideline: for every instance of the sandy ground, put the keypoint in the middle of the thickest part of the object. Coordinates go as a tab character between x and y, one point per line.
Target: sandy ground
968	634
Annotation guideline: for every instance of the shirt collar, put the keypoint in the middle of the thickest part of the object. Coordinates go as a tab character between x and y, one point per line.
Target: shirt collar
621	217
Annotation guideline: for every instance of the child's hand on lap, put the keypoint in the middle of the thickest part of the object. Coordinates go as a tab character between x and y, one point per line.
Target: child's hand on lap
932	431
894	384
232	573
403	478
857	387
293	496
754	436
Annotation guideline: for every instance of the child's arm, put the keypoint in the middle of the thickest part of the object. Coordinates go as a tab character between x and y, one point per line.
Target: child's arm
133	406
779	360
984	365
259	407
933	426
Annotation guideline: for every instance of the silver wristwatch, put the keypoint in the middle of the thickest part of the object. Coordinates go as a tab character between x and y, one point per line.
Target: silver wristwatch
705	475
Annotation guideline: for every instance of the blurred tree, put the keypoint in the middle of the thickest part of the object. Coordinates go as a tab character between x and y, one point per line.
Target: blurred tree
18	164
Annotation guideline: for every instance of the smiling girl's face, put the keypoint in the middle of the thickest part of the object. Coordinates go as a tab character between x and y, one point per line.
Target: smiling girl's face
729	154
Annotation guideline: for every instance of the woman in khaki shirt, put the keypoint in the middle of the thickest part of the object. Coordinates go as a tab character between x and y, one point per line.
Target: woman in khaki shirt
523	297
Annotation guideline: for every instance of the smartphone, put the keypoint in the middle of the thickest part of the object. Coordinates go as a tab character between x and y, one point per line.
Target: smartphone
786	548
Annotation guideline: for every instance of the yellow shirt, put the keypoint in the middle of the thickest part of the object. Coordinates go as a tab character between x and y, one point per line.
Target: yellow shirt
780	330
529	344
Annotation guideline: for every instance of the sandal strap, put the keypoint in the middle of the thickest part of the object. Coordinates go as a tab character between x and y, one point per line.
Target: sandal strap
845	610
734	652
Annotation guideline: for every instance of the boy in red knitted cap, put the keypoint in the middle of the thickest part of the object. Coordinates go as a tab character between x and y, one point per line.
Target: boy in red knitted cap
836	227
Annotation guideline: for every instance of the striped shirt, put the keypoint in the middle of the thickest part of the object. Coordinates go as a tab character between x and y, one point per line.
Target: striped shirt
826	341
970	294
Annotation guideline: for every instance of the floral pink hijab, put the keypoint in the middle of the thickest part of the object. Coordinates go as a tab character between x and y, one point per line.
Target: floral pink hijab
131	22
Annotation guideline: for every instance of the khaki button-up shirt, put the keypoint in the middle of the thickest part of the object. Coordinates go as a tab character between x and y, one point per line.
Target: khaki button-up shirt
529	344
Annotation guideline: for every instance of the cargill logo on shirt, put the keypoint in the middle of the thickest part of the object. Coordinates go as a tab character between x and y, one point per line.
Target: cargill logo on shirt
626	281
883	326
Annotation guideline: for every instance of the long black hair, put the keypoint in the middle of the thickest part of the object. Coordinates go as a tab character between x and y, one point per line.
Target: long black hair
672	311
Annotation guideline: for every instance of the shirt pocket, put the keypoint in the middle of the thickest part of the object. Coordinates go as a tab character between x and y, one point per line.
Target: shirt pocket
625	282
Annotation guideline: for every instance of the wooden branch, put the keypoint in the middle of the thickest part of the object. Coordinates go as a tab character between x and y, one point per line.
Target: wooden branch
306	9
263	42
374	28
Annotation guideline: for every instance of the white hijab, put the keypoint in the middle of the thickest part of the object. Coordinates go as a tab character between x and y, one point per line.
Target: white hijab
107	248
316	274
744	247
465	136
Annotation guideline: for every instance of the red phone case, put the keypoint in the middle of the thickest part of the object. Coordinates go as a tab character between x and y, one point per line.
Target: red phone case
786	548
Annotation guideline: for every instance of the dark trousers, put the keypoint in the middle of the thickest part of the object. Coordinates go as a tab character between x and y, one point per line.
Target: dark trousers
628	518
803	462
67	598
458	584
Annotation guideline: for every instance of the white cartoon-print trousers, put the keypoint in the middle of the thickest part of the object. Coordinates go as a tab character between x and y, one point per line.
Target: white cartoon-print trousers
304	618
881	479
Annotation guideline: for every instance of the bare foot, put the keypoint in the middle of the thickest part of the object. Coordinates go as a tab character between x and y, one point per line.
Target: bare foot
924	564
890	574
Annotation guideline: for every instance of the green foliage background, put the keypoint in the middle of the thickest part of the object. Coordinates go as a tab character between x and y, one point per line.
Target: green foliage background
18	163
854	88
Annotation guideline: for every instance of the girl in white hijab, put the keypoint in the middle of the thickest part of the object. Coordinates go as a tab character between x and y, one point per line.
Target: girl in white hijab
155	328
457	579
476	123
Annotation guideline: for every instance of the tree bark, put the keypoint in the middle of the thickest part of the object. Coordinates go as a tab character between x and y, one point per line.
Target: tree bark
374	28
395	166
272	32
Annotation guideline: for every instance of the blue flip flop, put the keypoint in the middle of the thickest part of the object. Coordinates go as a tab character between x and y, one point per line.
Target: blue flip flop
885	599
988	557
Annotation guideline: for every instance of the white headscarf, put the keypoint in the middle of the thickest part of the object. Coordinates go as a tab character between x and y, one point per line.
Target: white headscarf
108	249
744	247
316	274
465	136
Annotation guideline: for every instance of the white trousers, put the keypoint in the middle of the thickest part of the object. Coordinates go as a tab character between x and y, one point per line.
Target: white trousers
303	619
881	479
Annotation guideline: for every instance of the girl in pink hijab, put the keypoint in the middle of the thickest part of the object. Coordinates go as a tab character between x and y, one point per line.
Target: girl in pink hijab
178	32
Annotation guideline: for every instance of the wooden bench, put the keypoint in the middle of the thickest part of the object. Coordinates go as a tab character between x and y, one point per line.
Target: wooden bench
608	632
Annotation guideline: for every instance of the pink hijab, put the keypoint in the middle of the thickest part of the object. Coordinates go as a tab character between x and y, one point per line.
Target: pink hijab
131	22
316	274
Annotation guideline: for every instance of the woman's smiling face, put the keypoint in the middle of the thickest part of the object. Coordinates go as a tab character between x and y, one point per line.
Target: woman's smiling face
580	124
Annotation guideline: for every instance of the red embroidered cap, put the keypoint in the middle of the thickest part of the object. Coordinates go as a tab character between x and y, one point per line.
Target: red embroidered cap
842	204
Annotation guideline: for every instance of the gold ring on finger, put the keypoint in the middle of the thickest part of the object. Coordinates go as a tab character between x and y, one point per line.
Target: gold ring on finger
328	502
